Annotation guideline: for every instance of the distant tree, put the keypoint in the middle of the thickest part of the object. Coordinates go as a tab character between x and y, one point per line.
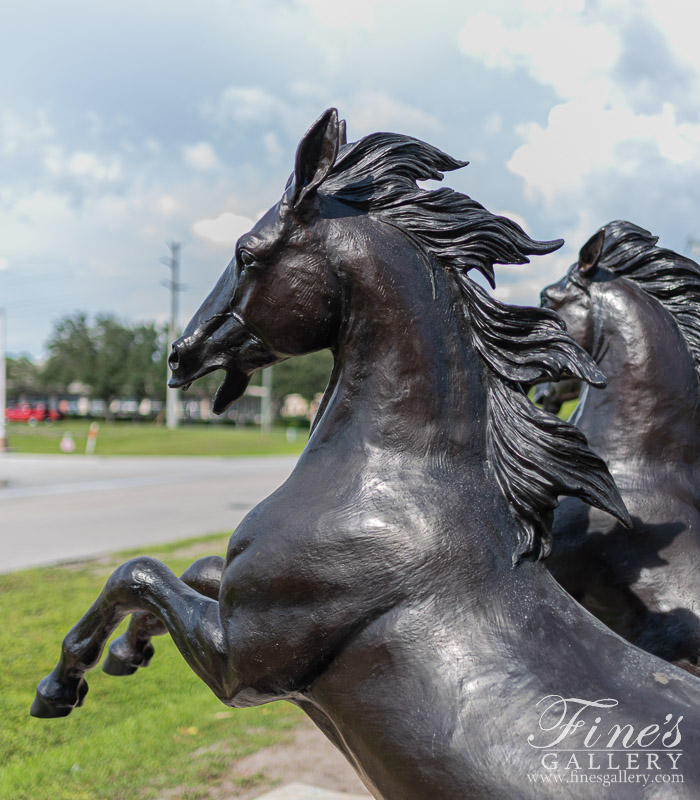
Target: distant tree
116	360
111	376
112	358
72	353
147	372
23	376
307	376
207	385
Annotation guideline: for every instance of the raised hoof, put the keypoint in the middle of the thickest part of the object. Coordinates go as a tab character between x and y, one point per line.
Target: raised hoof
115	666
122	659
46	707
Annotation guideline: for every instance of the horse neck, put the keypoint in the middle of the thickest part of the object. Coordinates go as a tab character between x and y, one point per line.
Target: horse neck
406	377
407	400
650	408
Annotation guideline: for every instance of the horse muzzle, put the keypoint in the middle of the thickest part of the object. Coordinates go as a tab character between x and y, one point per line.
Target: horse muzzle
226	343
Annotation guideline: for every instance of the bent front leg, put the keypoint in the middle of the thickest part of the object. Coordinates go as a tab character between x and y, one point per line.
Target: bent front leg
142	584
133	649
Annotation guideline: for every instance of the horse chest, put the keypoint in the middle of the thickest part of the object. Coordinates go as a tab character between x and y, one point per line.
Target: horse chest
301	579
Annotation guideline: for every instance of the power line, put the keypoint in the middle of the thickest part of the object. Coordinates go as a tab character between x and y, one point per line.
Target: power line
172	396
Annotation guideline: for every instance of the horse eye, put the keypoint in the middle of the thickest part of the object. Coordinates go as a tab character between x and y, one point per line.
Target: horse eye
245	258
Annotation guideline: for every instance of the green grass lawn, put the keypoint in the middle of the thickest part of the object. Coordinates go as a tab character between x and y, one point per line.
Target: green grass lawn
144	439
136	736
567	408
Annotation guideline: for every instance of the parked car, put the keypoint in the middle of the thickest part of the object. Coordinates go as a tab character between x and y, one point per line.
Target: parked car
24	412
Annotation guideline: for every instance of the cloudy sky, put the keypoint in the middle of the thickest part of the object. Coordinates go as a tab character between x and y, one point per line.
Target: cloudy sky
126	124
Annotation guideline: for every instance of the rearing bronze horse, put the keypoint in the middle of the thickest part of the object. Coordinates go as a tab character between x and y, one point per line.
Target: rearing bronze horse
391	587
635	308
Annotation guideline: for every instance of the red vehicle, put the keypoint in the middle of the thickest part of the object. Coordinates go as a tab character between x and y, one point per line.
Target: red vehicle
27	413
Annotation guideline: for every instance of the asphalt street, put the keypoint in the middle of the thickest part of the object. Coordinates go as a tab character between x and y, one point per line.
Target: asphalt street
66	508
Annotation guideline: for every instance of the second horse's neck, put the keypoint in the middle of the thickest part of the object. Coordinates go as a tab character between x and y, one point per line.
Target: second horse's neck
650	408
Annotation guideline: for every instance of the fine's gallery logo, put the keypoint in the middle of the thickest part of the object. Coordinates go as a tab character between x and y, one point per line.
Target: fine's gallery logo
591	741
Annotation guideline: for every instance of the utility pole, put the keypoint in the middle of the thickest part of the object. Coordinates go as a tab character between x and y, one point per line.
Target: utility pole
266	401
172	395
3	394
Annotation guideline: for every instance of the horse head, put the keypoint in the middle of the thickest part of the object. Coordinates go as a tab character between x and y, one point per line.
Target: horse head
278	296
620	276
570	297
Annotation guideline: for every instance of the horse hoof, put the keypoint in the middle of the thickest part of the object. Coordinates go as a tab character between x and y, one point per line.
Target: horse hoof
113	665
123	660
45	709
48	707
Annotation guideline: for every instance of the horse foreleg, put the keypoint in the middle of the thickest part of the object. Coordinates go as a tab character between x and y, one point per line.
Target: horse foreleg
133	649
142	584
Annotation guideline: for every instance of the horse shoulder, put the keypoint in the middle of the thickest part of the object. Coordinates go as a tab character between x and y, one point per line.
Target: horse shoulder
305	572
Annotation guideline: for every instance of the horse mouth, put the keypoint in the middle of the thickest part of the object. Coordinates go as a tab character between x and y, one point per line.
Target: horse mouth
232	387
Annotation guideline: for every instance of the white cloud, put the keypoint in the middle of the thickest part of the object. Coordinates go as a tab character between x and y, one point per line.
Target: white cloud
521	284
557	50
4	263
679	21
360	13
375	111
225	229
83	165
493	124
16	132
540	6
200	156
272	145
589	61
167	204
240	107
37	223
308	90
513	215
246	104
582	139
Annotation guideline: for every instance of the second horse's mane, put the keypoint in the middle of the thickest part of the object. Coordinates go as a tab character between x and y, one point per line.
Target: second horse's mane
674	280
536	457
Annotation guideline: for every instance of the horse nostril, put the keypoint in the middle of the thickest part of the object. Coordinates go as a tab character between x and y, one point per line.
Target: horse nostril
174	359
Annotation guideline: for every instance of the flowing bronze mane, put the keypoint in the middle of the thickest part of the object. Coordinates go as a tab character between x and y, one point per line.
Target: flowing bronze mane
536	457
631	252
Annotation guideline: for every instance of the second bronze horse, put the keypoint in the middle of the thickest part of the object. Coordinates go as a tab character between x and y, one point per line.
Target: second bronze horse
635	308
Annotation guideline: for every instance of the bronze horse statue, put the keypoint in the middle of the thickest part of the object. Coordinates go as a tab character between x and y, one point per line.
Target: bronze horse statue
392	587
635	308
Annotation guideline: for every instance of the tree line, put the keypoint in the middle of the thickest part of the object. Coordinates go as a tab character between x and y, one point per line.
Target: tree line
110	358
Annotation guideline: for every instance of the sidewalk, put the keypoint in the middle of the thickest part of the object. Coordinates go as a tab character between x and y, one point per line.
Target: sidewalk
63	508
303	791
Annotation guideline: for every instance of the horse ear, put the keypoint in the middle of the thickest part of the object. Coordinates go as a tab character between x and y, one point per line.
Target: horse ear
590	252
315	156
342	132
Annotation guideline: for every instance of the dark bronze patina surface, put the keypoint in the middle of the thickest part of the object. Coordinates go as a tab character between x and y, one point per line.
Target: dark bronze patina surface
635	308
392	587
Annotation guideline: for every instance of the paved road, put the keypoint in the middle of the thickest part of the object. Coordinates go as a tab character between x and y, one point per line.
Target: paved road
64	508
